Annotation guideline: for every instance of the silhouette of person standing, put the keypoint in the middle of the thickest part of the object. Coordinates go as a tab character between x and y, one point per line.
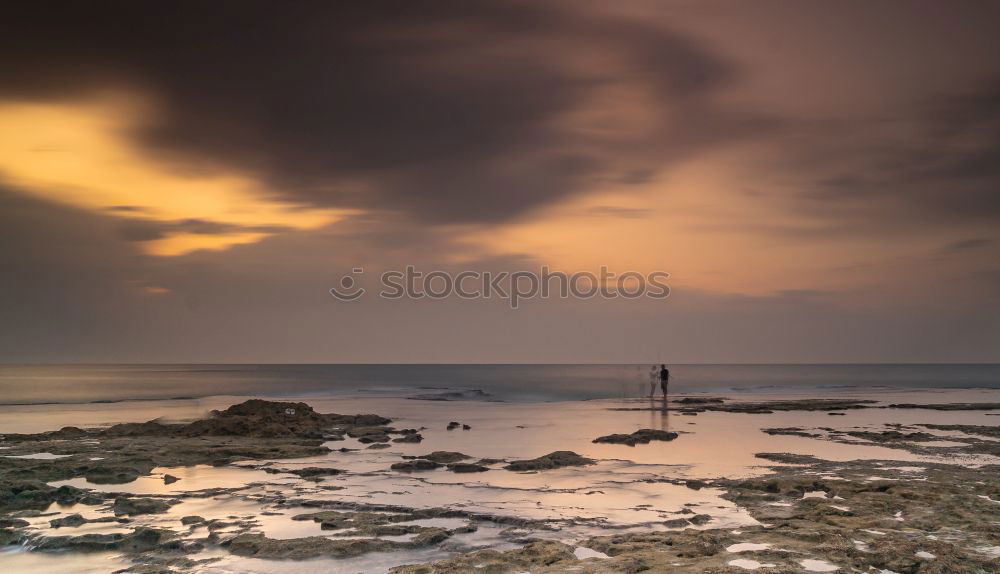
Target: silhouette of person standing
664	379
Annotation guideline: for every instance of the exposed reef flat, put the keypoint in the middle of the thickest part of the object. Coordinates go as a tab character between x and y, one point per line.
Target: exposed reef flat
716	404
313	491
840	516
949	406
966	439
120	454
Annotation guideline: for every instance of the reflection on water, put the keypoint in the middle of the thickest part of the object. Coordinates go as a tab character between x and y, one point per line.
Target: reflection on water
18	560
192	478
364	564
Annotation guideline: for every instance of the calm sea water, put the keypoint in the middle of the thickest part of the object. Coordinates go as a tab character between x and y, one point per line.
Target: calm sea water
91	383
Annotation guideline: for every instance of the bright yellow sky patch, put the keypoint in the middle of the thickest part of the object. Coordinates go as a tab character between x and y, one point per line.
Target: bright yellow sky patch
80	154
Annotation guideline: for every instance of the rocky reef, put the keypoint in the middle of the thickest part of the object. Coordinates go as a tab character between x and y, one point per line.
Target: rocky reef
557	459
815	516
862	516
254	429
642	436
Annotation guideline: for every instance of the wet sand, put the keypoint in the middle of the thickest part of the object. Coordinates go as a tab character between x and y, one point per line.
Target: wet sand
833	493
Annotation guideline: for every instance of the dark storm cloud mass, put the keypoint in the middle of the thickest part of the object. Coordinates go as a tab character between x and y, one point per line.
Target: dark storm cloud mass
448	110
481	112
964	245
931	163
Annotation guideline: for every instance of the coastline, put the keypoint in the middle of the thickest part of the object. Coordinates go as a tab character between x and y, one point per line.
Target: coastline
709	488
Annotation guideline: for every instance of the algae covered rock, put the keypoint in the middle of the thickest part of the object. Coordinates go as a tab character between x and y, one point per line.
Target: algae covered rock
463	467
316	471
134	506
415	465
642	436
259	546
444	456
557	459
72	521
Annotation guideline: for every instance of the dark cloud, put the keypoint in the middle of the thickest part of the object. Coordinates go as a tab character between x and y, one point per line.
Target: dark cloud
449	111
933	163
149	230
139	230
970	244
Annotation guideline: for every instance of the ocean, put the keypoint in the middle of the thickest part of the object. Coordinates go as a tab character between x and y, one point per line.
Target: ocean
34	384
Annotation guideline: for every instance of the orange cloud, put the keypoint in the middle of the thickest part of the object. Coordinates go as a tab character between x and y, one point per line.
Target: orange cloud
80	154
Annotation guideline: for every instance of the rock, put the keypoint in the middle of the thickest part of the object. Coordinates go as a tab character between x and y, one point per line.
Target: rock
431	536
695	484
139	540
557	459
535	556
409	438
466	467
134	506
253	418
315	471
453	425
949	406
642	436
466	427
28	494
69	433
116	474
676	523
193	519
6	522
72	521
169	479
787	458
9	536
444	456
378	446
359	432
415	465
367	439
259	546
699	519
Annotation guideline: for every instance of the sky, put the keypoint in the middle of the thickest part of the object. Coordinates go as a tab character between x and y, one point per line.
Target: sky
185	181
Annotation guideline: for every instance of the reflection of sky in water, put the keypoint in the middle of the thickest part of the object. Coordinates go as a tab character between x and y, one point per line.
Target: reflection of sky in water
17	561
192	478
